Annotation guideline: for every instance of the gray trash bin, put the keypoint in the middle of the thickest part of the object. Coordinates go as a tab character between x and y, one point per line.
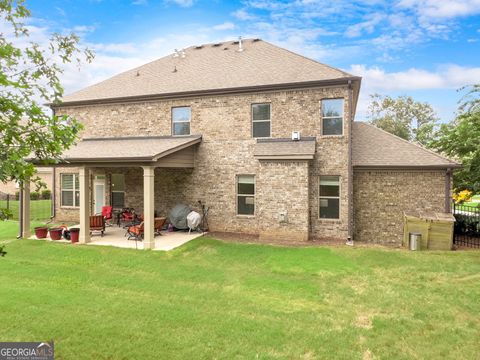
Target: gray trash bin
414	241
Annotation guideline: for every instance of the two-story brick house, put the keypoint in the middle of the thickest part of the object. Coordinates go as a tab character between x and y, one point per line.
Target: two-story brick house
215	122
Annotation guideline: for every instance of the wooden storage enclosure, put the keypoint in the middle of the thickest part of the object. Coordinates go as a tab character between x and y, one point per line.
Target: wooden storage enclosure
436	229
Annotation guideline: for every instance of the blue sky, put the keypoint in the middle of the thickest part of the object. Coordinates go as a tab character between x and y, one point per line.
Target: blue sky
423	48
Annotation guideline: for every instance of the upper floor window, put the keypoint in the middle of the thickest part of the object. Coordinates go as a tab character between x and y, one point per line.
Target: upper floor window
261	120
332	117
245	194
70	186
181	120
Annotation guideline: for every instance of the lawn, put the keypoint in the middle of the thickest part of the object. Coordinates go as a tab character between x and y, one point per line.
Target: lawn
39	209
215	300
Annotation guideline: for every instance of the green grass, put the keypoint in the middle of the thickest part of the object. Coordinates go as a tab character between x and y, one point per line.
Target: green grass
215	300
471	204
39	209
9	229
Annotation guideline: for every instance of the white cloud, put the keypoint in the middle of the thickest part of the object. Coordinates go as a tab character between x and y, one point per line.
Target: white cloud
445	77
183	3
225	26
442	9
243	15
367	26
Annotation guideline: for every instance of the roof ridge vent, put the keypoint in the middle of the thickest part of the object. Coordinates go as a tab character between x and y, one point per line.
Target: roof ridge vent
216	44
198	47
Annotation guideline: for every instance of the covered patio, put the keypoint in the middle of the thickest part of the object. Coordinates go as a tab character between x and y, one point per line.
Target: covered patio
137	156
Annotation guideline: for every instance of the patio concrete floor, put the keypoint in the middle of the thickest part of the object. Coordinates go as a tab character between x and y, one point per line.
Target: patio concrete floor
115	236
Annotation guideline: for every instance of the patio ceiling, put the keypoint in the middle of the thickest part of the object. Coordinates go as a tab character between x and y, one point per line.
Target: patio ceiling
144	149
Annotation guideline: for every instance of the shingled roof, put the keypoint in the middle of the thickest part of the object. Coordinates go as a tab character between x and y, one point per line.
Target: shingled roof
213	67
376	148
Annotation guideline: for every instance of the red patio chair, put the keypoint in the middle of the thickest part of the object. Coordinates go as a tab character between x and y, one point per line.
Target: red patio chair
107	213
135	232
97	223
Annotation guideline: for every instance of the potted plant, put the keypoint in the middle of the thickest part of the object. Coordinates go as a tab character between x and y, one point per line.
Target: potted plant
41	232
74	234
56	233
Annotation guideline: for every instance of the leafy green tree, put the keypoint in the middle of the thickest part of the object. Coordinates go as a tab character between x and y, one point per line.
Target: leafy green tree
470	102
461	139
403	116
29	77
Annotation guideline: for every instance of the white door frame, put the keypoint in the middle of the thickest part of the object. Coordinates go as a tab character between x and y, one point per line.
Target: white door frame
99	180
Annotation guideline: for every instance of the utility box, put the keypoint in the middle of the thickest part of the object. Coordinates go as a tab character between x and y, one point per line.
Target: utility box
436	230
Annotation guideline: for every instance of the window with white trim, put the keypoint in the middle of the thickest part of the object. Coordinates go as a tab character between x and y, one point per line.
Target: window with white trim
261	122
245	195
70	190
332	117
118	191
181	117
329	190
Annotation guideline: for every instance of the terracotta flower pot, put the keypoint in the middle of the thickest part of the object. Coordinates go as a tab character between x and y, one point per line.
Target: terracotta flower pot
41	232
74	234
55	233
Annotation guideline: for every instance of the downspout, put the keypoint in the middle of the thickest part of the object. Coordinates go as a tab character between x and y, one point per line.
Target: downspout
448	186
349	165
20	212
53	210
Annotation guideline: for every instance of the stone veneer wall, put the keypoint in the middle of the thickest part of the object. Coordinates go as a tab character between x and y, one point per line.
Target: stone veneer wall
227	150
381	197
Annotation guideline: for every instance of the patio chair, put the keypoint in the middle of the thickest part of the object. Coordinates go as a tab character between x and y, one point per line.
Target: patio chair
158	225
97	223
107	214
135	232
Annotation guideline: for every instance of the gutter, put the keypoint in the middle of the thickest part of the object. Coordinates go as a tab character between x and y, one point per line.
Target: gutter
349	166
407	167
20	213
226	91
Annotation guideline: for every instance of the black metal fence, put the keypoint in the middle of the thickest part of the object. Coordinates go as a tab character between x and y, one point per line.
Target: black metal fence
40	206
467	225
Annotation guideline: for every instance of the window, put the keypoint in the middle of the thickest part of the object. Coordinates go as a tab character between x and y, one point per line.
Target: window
181	120
329	197
245	195
118	191
70	190
332	117
261	120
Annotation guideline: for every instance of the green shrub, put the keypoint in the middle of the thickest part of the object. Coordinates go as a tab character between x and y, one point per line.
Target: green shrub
34	195
17	195
46	194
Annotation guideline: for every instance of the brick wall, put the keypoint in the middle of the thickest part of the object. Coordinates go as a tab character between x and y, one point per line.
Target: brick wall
381	197
227	150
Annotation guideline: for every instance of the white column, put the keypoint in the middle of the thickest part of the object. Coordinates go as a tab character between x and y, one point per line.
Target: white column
26	209
84	179
148	206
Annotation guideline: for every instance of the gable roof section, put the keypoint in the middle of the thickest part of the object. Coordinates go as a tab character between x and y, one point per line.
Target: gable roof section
127	149
285	149
376	148
212	67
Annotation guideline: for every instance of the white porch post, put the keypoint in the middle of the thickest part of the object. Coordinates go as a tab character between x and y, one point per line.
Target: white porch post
84	236
26	209
148	206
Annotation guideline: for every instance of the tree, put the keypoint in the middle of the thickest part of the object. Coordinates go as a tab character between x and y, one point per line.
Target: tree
403	116
460	139
470	102
29	76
